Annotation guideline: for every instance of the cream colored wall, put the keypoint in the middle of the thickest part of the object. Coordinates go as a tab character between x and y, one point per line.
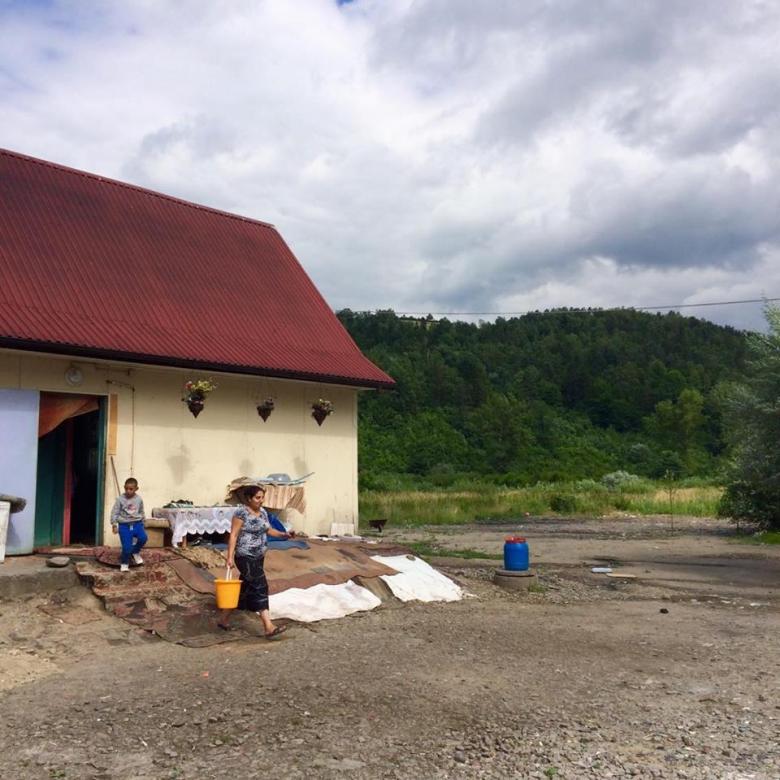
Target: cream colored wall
174	455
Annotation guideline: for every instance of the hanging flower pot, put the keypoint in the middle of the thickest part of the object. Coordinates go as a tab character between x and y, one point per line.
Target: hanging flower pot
195	405
320	409
265	408
195	392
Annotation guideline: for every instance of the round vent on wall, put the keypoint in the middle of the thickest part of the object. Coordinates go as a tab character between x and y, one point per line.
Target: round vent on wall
74	376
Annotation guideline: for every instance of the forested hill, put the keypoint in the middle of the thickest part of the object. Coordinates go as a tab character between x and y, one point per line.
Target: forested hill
550	395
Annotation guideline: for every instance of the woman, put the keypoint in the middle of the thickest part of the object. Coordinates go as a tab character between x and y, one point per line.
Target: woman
249	533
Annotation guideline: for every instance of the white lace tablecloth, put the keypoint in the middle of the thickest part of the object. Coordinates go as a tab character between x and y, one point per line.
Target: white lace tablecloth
216	519
196	520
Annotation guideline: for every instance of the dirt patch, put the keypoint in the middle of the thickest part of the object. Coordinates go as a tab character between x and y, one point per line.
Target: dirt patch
19	667
669	675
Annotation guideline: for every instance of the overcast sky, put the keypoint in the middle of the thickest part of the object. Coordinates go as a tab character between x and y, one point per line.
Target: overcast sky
436	155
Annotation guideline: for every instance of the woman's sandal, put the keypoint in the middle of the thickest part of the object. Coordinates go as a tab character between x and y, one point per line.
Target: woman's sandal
278	630
224	627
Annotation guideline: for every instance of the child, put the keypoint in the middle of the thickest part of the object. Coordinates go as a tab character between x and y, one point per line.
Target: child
127	519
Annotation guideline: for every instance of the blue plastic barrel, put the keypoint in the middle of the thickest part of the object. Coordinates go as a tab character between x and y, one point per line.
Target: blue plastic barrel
516	557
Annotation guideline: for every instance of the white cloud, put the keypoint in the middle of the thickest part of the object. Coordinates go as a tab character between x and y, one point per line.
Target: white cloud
437	154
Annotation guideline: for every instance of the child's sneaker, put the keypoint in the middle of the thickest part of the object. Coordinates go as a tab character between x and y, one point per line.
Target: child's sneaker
124	567
137	559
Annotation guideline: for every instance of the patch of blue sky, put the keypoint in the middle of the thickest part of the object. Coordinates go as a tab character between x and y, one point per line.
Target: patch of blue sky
26	5
26	8
56	14
51	54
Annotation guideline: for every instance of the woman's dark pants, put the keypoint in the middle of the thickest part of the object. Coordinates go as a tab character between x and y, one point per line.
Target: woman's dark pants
254	585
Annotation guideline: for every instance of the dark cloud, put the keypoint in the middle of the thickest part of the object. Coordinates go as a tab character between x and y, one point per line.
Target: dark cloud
704	215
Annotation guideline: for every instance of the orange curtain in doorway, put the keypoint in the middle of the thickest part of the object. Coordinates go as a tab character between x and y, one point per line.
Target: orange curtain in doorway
55	408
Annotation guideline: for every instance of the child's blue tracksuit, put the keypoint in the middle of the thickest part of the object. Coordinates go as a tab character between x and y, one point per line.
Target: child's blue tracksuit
128	516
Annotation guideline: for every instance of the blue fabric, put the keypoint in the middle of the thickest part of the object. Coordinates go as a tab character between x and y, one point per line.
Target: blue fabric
287	544
128	532
276	523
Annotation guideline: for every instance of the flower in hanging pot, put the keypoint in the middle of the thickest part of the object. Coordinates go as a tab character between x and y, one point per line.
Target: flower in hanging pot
265	407
320	409
195	392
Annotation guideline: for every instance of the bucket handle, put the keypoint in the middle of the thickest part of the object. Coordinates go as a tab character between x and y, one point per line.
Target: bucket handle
228	573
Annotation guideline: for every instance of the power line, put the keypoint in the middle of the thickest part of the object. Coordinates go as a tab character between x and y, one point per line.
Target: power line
576	310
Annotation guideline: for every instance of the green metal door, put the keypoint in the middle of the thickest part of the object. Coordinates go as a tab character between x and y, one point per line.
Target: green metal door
50	488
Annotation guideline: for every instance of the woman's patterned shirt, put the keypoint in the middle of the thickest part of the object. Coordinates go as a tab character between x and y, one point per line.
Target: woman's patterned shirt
252	539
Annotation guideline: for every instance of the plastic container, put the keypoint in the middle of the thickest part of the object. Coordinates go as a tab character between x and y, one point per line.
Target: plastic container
516	556
227	592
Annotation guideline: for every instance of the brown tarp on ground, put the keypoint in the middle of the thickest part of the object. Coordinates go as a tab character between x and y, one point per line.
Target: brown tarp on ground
325	562
329	563
199	579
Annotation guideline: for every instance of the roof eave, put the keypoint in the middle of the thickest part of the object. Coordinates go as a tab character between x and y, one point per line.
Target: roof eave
73	350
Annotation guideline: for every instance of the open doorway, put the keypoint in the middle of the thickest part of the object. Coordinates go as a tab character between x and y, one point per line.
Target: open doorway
85	496
69	490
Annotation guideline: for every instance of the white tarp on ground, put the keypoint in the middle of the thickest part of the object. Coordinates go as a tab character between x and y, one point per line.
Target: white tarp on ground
417	580
321	602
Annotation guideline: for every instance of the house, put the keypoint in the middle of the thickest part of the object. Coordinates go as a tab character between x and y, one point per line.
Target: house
111	298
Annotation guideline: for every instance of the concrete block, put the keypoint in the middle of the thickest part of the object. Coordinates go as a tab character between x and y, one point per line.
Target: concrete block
155	537
514	580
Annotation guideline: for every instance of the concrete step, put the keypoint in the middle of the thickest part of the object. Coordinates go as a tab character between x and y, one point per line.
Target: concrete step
28	575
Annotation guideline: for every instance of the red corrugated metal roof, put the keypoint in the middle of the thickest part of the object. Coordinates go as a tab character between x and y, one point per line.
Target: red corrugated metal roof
92	266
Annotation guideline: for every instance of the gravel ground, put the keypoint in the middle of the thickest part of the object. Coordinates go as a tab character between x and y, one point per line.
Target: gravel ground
670	675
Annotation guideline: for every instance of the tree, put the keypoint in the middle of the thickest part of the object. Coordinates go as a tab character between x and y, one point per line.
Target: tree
499	431
679	426
752	415
429	440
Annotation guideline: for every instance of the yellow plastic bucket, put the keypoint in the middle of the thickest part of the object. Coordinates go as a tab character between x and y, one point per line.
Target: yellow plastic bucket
227	592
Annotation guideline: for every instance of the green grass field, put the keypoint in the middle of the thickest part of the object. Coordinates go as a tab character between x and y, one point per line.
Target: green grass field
765	537
488	503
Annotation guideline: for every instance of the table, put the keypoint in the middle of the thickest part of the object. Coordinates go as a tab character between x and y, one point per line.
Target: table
217	519
196	520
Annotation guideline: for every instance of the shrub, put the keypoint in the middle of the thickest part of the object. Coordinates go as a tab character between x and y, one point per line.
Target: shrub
618	480
640	454
748	502
563	503
442	475
588	486
668	466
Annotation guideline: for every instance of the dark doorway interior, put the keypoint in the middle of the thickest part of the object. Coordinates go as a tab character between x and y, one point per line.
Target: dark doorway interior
84	478
50	487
